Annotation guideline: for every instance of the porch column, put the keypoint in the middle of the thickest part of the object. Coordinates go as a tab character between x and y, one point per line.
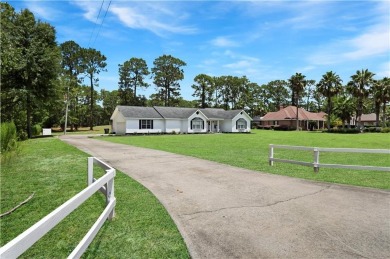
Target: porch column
218	126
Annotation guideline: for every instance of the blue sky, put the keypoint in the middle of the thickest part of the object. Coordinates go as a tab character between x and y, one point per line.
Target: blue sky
264	40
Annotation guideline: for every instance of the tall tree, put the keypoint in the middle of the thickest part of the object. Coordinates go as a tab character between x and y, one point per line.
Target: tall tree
222	92
71	65
238	91
71	59
297	83
381	94
109	101
250	102
329	86
277	93
167	72
344	107
93	62
203	89
309	94
32	65
359	87
131	76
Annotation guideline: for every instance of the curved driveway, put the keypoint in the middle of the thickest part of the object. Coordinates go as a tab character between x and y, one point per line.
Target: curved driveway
228	212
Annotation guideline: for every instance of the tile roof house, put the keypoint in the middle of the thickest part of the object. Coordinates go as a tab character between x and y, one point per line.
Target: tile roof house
368	119
287	117
135	119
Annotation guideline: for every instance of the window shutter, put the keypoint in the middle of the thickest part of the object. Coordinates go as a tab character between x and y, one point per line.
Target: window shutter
191	124
151	124
236	124
139	124
246	124
202	124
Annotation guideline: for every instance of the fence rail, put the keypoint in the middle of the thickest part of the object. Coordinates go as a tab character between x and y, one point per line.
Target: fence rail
24	241
316	157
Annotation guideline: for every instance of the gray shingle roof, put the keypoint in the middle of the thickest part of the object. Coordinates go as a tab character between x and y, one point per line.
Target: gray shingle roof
139	112
158	112
213	113
175	112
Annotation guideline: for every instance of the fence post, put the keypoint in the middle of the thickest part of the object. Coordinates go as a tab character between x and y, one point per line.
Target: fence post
90	171
110	195
271	155
316	162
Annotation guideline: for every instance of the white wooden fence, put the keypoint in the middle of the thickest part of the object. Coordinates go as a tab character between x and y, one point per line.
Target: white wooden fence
21	243
316	157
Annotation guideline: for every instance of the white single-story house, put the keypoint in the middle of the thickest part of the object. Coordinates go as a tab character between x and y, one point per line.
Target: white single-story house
135	119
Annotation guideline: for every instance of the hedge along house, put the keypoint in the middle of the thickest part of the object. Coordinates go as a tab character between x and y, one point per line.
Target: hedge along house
135	119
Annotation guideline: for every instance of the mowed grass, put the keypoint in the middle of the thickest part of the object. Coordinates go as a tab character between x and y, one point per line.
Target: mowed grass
56	171
251	151
81	130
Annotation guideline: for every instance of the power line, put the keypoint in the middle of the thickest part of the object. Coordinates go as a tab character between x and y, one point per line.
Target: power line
97	18
105	14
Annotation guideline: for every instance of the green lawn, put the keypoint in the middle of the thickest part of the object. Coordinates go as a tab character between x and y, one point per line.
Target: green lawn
56	171
81	130
251	151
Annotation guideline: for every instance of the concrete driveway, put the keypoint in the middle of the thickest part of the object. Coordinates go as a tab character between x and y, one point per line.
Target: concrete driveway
228	212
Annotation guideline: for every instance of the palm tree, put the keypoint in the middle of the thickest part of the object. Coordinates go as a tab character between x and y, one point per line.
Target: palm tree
359	87
329	86
381	94
297	83
344	108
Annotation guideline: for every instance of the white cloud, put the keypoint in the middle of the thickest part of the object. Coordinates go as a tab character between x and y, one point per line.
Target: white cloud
373	41
42	11
152	16
91	9
223	42
153	19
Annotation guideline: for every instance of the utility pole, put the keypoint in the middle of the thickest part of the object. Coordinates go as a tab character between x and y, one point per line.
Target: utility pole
66	111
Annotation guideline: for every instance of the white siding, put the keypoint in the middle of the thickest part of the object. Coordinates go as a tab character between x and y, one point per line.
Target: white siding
184	126
132	126
120	127
241	116
226	125
199	115
173	125
118	123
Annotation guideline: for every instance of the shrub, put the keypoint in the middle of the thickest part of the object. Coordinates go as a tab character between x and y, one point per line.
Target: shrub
342	131
385	130
22	135
36	130
8	137
372	129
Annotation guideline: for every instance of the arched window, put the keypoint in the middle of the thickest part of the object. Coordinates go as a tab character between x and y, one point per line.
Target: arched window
241	124
197	123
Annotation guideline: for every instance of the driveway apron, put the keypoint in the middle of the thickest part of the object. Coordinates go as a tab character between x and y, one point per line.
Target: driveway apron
229	212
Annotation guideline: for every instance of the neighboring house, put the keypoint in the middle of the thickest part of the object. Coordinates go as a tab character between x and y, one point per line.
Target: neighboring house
135	119
287	117
367	120
256	121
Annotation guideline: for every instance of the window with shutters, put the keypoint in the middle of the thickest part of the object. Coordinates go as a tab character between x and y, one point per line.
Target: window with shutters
146	124
197	124
241	124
